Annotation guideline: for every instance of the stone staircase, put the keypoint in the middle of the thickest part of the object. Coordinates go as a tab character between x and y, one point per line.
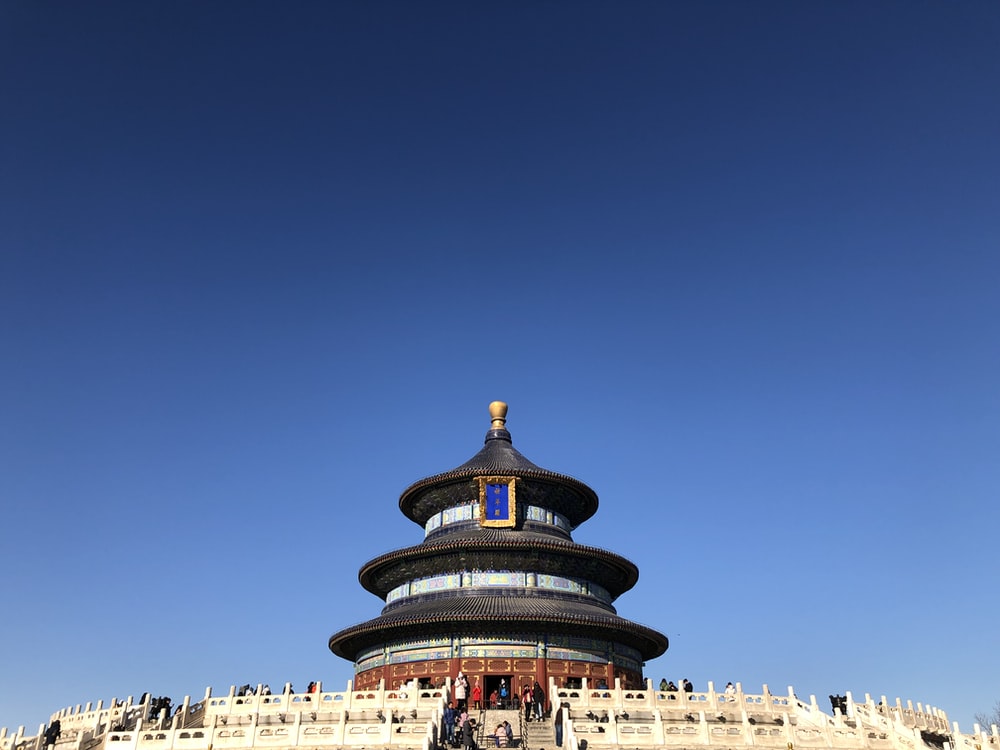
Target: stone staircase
488	720
540	735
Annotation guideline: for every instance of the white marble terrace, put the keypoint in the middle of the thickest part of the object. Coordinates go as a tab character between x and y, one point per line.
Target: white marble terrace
596	719
652	718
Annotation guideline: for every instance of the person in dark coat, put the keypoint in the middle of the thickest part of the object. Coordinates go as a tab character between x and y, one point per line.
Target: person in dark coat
52	733
468	734
538	701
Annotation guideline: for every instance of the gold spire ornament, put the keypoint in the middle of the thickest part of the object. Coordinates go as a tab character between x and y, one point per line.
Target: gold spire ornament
498	415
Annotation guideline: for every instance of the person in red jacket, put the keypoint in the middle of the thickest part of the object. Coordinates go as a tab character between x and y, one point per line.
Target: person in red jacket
477	695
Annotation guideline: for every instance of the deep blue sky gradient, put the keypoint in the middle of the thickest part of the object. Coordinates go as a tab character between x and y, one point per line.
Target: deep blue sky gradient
733	264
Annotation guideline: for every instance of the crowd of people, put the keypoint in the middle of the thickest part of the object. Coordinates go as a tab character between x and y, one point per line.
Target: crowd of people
533	700
670	687
159	708
265	689
248	689
686	686
460	728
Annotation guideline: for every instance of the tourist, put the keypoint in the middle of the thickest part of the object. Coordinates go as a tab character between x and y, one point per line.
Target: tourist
503	693
52	733
538	700
686	686
477	695
461	691
449	723
526	700
730	691
559	723
500	734
494	697
663	685
468	733
510	733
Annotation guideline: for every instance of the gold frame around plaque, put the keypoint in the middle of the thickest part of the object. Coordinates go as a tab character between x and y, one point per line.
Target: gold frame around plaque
511	519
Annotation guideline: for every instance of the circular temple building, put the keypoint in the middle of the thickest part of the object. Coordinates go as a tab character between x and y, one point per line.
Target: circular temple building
498	589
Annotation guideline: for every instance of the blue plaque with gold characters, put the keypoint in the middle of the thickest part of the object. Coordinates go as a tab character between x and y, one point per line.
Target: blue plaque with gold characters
497	502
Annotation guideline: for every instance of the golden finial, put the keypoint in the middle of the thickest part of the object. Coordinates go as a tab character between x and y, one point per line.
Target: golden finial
498	414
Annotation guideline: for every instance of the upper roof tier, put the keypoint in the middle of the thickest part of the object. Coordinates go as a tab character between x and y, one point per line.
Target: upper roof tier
537	486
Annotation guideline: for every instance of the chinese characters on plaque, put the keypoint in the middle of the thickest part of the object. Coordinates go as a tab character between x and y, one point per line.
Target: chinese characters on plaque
497	505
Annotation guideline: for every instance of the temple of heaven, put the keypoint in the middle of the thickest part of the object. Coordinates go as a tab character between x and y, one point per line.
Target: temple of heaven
498	589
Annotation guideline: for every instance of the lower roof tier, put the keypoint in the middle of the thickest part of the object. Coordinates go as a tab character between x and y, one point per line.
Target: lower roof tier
490	616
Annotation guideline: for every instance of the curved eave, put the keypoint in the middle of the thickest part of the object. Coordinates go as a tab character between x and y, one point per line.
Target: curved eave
349	642
613	572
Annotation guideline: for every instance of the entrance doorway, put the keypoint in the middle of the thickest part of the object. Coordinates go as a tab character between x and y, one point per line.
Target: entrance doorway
499	684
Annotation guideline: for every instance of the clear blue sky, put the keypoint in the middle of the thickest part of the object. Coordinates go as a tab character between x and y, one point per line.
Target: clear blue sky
736	265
